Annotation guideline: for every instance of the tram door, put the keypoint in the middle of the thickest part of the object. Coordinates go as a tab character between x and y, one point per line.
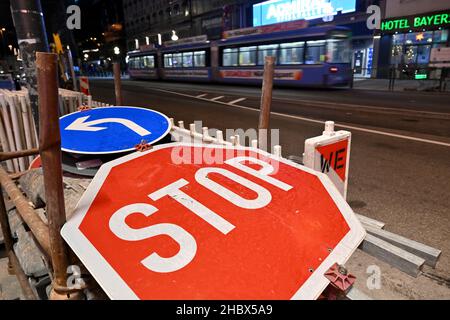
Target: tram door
358	62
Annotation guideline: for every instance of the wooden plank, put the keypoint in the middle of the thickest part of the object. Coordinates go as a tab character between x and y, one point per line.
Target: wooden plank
370	222
431	255
395	256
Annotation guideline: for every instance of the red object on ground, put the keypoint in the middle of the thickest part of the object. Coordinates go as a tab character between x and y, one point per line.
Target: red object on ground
340	278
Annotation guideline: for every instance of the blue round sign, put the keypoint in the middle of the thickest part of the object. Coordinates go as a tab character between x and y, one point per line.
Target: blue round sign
111	129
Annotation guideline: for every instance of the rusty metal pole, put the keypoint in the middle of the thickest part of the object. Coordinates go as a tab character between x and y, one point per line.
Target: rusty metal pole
117	83
37	226
17	154
21	277
4	224
13	264
50	150
266	102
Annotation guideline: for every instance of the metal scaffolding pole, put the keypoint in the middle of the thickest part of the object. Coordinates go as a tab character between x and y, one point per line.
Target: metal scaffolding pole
32	37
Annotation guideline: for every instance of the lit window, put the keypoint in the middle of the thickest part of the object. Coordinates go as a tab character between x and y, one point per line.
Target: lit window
266	50
187	60
168	60
177	60
315	52
247	56
149	62
200	58
291	53
230	57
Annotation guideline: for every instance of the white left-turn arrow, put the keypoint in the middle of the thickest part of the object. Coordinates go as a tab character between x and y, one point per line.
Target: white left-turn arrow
81	124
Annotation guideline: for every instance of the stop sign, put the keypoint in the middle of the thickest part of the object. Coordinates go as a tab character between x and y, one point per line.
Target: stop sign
188	221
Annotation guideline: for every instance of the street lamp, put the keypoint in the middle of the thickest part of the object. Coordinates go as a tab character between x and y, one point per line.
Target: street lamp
116	51
159	39
174	35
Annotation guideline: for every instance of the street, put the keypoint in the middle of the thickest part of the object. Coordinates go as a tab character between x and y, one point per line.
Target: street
399	167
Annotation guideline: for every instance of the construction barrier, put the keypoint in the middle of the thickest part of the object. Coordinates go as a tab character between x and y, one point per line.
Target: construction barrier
84	85
17	128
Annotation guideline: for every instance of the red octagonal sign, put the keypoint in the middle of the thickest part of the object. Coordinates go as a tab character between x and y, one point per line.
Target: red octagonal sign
211	222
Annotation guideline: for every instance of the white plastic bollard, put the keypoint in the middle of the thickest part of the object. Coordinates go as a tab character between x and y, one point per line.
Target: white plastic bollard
192	129
237	141
277	151
329	129
219	136
205	133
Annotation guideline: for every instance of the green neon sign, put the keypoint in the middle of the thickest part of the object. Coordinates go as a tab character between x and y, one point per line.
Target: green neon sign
427	21
421	76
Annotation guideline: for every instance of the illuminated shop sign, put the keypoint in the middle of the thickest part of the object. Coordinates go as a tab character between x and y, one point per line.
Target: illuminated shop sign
276	11
424	21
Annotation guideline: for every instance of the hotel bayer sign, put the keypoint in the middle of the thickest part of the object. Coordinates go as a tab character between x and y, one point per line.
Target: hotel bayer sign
429	21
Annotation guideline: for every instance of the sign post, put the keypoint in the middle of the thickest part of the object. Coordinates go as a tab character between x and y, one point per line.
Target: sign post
185	221
330	154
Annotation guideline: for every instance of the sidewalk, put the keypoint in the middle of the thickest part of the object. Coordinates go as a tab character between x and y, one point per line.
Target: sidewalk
108	77
400	85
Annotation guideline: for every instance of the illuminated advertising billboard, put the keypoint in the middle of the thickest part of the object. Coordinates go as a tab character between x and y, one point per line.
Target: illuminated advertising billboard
276	11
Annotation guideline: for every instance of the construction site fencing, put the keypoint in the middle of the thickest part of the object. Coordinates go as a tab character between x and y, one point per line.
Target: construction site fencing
17	128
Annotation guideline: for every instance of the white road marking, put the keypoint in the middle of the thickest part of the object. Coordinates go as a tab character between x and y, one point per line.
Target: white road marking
384	133
217	98
237	100
202	95
334	105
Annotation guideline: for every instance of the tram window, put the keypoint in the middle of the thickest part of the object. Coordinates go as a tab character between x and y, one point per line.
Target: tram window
187	60
140	63
291	53
339	51
266	50
149	62
315	52
200	58
131	63
230	57
177	61
168	60
247	56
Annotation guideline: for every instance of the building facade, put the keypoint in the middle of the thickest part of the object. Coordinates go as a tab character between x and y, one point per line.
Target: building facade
375	49
153	21
409	33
